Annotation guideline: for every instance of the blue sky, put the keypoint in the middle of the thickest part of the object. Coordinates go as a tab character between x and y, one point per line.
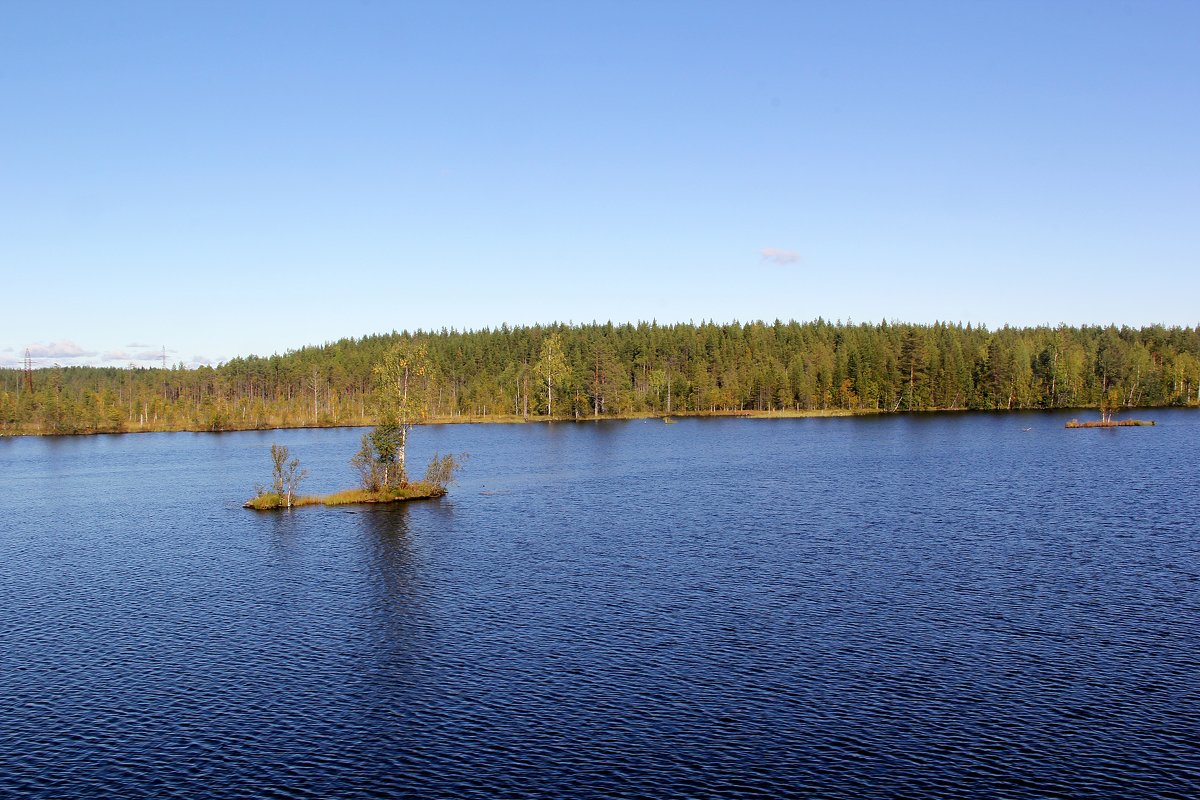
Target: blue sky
232	178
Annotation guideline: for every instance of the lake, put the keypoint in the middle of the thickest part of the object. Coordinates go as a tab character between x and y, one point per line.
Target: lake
967	605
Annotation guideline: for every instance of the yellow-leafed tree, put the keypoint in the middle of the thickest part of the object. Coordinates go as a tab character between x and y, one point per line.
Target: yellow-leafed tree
401	385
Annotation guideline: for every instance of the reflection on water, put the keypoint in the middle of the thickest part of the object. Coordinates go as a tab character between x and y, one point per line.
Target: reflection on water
389	553
926	606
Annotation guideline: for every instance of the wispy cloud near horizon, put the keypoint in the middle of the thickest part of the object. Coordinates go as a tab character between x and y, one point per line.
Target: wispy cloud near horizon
63	349
70	352
778	255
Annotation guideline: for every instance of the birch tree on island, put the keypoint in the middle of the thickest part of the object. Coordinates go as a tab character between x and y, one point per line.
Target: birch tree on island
401	394
286	475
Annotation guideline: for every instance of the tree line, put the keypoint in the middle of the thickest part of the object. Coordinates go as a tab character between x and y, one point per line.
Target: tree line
605	370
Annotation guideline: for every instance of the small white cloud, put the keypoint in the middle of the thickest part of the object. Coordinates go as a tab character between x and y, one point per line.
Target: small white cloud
149	355
777	255
62	349
116	355
138	346
201	361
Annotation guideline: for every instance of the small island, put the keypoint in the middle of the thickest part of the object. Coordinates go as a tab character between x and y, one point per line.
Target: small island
380	460
271	501
1112	423
287	477
1110	404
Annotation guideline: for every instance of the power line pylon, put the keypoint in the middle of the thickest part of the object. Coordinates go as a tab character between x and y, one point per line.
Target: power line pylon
28	372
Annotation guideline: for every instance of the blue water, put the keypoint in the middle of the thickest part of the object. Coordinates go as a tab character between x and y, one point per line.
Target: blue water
932	606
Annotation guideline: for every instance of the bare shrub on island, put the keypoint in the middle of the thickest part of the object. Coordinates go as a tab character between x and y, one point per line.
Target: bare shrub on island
286	477
440	472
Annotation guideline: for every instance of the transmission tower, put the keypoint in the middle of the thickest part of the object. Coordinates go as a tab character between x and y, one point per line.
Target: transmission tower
28	372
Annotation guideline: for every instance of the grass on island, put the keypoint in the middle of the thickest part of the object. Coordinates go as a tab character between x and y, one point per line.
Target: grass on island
1112	423
270	501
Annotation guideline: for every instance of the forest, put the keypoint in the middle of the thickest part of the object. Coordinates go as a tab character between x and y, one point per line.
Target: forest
577	372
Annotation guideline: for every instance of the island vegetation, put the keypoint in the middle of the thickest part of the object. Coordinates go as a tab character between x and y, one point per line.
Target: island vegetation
599	371
1112	423
438	476
400	399
1110	404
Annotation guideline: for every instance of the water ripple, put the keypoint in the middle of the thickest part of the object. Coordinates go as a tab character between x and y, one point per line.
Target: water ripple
900	608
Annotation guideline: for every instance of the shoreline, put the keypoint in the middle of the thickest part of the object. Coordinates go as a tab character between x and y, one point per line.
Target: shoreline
509	419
